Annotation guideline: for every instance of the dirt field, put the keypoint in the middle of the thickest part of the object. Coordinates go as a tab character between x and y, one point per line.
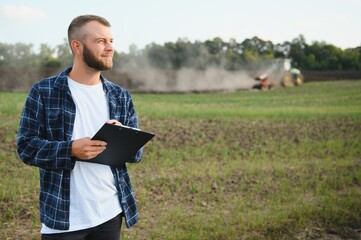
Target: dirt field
281	164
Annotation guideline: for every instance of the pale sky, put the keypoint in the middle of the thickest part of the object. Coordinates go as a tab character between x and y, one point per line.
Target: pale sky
142	22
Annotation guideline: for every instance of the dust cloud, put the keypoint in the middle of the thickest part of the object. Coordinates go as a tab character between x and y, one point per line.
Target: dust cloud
143	77
189	80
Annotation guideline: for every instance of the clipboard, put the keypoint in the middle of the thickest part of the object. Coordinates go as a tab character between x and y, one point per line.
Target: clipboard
122	144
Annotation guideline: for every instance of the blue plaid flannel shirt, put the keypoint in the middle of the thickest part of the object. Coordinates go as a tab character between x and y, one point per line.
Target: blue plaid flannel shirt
44	140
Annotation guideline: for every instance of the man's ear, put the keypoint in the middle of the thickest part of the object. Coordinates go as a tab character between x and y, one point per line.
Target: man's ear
76	46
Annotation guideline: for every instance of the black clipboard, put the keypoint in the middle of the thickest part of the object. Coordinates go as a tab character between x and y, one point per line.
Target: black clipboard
122	144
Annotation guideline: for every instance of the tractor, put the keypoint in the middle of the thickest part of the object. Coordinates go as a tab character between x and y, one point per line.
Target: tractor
289	76
279	73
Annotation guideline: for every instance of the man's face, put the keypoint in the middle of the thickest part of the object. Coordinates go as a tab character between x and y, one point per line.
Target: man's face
100	63
98	47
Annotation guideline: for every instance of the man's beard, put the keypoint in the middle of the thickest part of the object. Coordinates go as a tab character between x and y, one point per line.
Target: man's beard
93	62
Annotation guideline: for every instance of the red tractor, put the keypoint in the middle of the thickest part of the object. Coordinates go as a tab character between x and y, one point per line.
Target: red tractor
265	83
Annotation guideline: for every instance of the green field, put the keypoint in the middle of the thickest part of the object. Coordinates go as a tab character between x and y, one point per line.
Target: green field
280	164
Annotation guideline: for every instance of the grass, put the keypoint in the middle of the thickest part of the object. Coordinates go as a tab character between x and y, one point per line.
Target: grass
314	99
281	164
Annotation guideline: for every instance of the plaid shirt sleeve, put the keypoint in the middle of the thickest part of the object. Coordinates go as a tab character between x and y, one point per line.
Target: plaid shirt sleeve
35	145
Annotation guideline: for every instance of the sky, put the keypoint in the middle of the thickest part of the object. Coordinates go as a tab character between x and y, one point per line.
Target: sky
142	22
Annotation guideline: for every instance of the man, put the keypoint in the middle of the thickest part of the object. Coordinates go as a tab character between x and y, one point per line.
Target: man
79	200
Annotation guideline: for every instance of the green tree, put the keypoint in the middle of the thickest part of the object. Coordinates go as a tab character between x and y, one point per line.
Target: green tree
233	55
351	59
322	56
216	49
199	56
64	55
46	57
158	56
17	55
298	48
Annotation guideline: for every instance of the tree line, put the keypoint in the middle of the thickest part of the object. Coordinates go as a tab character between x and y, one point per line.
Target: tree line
231	55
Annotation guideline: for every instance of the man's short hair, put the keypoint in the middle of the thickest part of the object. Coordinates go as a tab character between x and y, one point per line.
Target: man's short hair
74	29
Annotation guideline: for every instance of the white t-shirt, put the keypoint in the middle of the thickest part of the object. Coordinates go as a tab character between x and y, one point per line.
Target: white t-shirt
93	195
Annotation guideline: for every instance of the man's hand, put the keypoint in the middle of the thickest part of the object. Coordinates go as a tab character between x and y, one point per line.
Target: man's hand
85	148
115	122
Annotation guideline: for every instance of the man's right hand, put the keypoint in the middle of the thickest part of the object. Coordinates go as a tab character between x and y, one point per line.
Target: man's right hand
85	148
